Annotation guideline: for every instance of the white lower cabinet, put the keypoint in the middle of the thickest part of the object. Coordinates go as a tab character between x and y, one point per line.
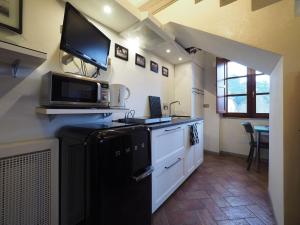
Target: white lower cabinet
166	179
173	159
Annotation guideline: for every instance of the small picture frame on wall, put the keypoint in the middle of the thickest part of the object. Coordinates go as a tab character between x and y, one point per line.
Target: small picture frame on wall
121	52
11	13
165	71
153	66
140	60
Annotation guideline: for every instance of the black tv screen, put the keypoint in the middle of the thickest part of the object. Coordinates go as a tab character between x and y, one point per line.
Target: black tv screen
84	40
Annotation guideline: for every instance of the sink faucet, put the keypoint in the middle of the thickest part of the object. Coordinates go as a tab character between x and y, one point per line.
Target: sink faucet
170	107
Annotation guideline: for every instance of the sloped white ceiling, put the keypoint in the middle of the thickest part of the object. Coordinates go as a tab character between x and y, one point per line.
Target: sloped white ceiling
120	18
252	57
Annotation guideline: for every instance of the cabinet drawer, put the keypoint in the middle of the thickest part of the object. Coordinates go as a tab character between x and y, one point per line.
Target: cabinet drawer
166	142
166	179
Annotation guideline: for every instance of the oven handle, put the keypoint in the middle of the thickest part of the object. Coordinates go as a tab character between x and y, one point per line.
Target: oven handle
144	175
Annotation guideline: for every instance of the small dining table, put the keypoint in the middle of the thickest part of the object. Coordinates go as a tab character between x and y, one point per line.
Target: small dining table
259	129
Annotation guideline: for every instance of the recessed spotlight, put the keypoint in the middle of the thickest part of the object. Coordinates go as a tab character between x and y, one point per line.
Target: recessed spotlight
133	43
180	59
107	9
168	51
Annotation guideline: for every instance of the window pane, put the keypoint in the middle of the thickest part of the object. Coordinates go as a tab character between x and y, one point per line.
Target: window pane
262	103
236	70
262	84
258	72
237	86
237	104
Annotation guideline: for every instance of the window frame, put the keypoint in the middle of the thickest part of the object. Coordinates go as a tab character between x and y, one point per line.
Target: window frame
250	94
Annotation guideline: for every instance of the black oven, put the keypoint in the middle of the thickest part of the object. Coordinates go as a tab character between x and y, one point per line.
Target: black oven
105	176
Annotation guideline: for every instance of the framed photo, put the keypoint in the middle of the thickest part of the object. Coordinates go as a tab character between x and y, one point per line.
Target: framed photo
11	12
153	66
140	60
121	52
165	71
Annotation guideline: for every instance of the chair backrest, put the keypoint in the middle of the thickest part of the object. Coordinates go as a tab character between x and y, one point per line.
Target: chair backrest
249	129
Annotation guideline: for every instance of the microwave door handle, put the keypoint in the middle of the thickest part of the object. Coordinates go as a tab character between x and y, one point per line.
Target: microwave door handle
98	92
144	175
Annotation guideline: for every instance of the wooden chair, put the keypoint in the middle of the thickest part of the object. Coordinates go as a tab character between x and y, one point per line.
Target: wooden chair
253	144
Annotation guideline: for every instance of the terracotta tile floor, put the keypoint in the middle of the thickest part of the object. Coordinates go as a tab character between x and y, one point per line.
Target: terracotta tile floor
220	192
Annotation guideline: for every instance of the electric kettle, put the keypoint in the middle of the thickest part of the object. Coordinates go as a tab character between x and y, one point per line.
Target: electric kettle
118	94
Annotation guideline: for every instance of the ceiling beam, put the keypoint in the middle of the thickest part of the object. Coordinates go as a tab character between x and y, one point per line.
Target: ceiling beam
226	2
154	6
258	4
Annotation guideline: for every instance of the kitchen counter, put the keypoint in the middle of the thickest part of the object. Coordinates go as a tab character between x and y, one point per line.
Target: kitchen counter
174	122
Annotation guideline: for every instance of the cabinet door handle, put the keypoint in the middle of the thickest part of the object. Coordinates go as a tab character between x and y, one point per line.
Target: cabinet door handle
167	130
173	164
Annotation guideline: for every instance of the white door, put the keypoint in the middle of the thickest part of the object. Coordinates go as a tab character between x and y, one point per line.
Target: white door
198	148
189	154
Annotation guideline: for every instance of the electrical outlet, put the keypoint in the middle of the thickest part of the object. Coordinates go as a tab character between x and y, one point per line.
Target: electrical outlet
66	59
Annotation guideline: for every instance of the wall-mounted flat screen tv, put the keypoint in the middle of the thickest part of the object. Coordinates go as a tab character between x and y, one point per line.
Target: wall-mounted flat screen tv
84	40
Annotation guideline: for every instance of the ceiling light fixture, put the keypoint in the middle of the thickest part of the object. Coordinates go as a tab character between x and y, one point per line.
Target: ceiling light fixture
133	43
180	59
168	51
107	9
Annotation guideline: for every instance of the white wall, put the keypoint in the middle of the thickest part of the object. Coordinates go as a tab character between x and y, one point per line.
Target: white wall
233	137
42	20
276	169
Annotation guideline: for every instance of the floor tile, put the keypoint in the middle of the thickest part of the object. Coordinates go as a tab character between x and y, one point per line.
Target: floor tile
239	201
220	201
220	192
233	222
160	218
183	218
214	210
205	218
255	221
197	195
191	204
261	214
237	212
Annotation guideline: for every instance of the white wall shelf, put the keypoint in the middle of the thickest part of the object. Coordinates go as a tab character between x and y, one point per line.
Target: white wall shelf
47	111
17	58
52	113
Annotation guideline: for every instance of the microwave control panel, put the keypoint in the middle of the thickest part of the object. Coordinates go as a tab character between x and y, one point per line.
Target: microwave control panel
104	93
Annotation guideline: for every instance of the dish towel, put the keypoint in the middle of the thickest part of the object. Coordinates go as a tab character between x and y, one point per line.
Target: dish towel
194	139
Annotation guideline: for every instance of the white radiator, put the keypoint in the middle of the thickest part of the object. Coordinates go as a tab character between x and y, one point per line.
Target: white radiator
29	183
